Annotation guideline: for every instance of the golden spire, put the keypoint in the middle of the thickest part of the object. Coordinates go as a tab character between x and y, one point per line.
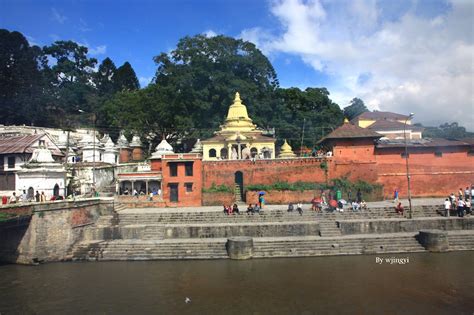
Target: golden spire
286	151
237	117
346	121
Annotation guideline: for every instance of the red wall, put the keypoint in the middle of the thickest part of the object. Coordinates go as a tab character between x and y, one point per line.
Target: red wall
185	198
263	171
430	175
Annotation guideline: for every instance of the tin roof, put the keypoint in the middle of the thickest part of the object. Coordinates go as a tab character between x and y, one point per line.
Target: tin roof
348	131
24	144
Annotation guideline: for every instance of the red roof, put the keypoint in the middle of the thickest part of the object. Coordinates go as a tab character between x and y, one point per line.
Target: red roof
422	143
23	144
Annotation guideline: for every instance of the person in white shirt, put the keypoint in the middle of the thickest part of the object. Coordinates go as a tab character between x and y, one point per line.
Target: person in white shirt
461	205
447	206
13	198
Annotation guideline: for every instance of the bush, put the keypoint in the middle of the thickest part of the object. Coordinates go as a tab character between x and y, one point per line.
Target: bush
218	189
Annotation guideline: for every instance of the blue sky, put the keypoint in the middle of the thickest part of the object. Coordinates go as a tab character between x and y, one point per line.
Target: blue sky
403	56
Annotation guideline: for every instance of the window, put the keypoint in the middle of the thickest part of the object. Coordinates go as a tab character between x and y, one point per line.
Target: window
173	169
189	187
1	163
212	153
188	168
438	154
11	162
403	155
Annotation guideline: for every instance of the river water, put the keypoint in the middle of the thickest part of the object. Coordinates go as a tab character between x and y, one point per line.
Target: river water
426	284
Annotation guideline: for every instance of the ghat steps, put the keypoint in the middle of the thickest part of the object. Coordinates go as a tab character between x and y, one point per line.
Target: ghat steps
263	247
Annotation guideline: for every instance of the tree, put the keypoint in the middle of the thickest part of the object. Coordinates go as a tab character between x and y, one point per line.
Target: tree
126	79
105	78
312	108
71	81
355	108
447	131
205	73
21	81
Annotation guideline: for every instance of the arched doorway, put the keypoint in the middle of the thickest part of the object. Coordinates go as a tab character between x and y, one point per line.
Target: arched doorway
239	186
56	190
31	194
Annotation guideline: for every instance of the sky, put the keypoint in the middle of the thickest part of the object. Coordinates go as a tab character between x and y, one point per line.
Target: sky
396	55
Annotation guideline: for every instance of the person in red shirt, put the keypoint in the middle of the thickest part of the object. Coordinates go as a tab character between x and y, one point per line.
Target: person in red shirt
399	208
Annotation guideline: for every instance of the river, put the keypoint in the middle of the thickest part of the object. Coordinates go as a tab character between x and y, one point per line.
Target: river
426	284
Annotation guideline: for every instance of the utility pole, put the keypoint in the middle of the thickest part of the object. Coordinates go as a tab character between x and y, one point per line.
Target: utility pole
302	137
94	152
410	213
65	163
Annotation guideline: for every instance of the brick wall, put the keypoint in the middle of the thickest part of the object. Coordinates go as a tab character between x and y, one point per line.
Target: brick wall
217	199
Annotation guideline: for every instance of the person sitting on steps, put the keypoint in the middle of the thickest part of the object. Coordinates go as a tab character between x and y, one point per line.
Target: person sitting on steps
256	208
249	209
399	209
235	209
299	208
291	207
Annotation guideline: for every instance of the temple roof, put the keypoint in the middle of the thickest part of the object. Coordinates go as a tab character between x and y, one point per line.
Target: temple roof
286	151
348	130
237	117
388	125
378	115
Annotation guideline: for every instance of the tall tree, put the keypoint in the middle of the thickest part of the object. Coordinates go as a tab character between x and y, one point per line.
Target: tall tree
126	79
71	80
105	78
355	108
206	72
21	81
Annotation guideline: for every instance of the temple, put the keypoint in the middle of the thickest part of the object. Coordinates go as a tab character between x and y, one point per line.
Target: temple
238	138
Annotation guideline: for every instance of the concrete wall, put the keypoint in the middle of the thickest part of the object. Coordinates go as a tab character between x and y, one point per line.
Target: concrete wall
274	229
381	226
54	228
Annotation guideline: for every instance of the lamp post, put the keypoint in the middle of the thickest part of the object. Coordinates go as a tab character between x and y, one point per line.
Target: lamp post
410	213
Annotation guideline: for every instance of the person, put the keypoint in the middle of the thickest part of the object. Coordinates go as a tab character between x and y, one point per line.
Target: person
467	193
447	207
467	206
37	196
461	205
349	195
235	208
42	197
135	193
338	194
261	201
340	206
226	210
355	206
299	208
291	207
126	192
395	195
159	192
249	209
359	196
323	198
314	203
150	198
256	208
363	204
452	199
13	198
399	209
460	195
24	197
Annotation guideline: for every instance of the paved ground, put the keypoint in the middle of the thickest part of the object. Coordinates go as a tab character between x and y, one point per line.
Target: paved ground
376	204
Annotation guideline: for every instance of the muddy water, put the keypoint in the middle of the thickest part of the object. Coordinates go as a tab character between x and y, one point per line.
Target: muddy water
425	284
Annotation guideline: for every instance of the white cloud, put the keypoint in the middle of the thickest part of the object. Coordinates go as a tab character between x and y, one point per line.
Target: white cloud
99	50
32	41
209	33
83	26
144	81
58	17
408	64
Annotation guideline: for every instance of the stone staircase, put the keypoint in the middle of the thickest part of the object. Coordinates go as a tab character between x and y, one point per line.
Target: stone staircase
238	194
179	234
329	228
151	250
324	246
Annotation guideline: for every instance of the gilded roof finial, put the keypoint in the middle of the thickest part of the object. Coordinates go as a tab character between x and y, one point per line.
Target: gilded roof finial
346	121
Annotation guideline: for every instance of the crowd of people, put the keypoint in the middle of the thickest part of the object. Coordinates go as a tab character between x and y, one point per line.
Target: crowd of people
461	203
23	197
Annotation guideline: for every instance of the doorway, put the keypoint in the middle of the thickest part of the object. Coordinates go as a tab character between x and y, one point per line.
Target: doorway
239	186
173	192
56	190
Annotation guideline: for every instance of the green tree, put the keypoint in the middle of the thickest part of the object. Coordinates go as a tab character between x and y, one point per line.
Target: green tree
447	131
126	79
205	73
70	80
355	108
105	78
